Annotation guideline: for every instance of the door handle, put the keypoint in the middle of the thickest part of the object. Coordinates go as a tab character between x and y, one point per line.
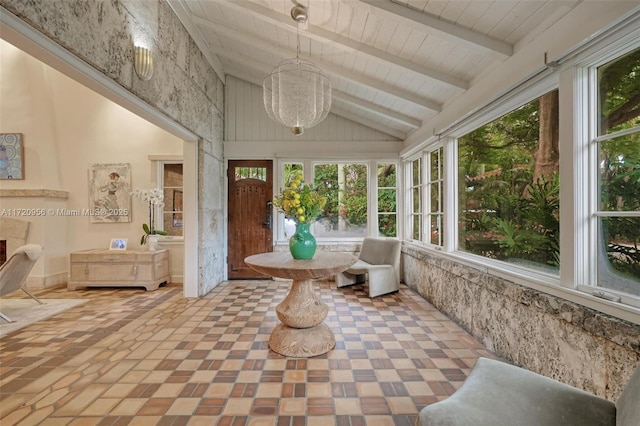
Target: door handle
267	217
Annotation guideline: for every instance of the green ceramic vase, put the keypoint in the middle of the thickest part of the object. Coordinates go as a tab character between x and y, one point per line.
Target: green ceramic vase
302	244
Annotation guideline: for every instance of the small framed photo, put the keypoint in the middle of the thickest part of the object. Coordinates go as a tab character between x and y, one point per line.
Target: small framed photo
118	244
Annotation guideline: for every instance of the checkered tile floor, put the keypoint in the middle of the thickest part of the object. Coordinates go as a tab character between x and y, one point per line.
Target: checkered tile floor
131	357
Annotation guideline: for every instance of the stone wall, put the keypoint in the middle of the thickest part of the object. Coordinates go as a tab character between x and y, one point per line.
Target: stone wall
538	331
184	86
211	180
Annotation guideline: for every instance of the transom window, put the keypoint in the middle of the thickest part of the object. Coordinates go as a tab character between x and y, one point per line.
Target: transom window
259	173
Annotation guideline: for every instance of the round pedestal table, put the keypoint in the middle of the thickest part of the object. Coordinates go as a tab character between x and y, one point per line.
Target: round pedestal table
302	332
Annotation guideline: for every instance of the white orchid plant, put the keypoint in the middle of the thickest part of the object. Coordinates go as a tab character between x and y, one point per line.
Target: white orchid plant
155	199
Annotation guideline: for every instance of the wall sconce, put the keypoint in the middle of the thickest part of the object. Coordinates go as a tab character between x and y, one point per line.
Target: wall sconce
143	62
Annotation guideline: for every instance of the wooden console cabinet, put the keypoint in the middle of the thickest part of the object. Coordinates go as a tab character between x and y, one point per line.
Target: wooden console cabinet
112	268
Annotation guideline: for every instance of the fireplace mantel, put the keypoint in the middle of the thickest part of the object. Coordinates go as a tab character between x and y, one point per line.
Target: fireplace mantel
42	193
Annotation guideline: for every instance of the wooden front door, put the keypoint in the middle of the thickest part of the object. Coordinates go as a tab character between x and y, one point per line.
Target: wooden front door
250	221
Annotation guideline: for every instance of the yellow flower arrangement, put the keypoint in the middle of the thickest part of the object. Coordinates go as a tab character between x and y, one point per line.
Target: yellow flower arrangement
299	202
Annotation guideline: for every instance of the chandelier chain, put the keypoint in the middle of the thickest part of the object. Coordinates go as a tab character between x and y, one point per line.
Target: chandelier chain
297	40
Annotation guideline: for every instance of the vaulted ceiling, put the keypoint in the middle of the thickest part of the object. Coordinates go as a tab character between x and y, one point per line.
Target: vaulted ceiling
393	63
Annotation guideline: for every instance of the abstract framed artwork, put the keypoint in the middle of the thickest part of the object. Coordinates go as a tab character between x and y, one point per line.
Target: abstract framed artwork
11	156
109	189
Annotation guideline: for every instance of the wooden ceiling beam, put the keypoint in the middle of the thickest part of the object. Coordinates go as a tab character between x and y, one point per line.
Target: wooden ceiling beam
345	43
402	119
430	24
332	70
369	123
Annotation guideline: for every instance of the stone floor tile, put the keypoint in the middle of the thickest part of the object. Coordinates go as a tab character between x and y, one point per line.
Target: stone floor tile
130	357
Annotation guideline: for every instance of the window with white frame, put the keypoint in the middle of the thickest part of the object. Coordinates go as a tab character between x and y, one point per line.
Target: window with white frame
435	188
345	185
415	194
171	181
508	187
504	163
362	198
616	143
387	182
426	192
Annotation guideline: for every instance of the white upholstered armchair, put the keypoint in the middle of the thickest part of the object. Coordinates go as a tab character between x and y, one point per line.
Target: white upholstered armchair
14	272
379	259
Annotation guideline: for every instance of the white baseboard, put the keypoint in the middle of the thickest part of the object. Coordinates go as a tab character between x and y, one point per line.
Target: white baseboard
48	281
62	278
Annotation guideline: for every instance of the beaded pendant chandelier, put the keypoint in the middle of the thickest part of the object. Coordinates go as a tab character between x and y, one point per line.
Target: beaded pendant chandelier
297	94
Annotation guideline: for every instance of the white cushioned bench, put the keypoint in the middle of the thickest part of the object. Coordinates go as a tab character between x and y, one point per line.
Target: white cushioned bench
497	393
379	259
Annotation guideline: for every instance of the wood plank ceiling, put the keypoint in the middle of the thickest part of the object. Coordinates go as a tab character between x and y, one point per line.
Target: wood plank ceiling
393	63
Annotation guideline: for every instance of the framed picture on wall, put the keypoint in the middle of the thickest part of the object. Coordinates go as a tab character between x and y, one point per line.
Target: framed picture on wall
11	156
109	193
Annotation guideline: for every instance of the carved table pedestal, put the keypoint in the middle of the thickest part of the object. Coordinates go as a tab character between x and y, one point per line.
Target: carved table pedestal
302	332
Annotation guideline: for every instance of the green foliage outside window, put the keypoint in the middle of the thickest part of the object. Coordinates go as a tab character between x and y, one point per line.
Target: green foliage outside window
619	161
345	187
354	194
619	94
505	213
387	214
326	183
289	169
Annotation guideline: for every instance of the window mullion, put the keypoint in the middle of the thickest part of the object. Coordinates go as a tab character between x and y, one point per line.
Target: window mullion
615	135
372	199
450	202
408	197
400	204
